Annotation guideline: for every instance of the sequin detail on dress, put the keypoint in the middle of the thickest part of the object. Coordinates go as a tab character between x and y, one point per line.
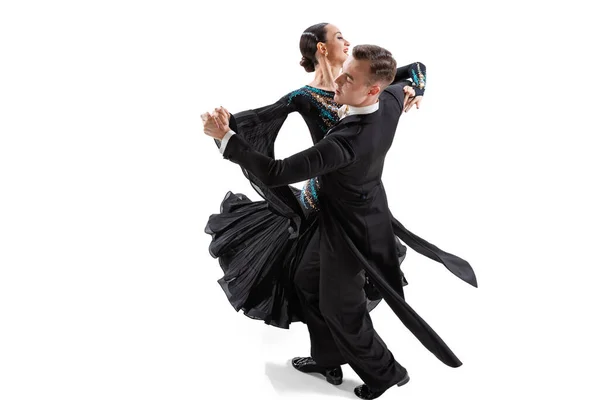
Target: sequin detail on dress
328	117
418	77
323	101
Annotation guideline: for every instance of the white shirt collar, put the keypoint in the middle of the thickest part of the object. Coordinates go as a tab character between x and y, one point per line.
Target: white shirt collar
346	110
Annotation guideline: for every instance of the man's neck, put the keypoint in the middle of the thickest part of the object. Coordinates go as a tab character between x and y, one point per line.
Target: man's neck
348	110
366	103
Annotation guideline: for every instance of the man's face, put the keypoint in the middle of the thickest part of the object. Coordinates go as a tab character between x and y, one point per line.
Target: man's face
351	87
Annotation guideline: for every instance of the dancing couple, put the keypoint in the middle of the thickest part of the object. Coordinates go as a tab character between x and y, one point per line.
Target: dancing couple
327	254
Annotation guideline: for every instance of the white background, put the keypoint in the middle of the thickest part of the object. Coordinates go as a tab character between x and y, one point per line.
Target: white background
107	290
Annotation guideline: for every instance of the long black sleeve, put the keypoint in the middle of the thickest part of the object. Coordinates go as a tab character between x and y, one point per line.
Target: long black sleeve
328	155
416	72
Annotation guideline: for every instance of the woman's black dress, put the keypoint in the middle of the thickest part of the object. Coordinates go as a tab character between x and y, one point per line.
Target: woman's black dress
259	243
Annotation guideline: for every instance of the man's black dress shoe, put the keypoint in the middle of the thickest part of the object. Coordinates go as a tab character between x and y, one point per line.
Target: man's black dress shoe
363	391
308	365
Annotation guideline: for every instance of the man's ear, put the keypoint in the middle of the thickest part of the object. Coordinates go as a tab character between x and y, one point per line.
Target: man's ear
374	90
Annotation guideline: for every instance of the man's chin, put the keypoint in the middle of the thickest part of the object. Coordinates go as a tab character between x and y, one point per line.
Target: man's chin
337	98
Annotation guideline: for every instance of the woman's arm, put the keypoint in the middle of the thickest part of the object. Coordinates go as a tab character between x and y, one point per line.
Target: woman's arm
415	72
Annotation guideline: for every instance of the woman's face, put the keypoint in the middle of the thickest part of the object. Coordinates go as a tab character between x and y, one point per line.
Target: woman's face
337	46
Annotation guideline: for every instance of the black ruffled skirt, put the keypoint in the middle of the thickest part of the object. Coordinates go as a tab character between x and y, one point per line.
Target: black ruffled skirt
259	257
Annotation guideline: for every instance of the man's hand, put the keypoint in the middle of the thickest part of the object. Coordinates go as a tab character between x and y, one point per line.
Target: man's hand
216	125
410	99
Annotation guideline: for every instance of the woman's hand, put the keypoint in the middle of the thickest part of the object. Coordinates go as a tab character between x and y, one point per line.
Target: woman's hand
410	99
216	125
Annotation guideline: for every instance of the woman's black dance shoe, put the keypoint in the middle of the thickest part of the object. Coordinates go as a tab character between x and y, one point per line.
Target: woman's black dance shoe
307	365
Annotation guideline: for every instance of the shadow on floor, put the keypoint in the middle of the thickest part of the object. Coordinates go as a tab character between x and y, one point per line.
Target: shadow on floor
286	378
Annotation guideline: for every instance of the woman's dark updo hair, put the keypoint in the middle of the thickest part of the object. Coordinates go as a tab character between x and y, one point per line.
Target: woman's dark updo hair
308	45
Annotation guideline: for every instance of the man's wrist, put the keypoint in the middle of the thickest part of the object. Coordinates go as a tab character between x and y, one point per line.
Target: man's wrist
225	140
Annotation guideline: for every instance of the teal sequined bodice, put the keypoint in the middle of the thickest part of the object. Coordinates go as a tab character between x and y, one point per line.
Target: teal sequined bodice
322	115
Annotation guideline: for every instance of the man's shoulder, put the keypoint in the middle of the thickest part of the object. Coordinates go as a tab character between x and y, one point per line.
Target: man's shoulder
395	91
351	126
357	133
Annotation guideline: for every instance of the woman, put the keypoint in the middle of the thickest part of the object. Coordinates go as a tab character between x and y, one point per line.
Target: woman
259	243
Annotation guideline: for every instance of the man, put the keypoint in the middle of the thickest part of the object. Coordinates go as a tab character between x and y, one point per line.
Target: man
356	232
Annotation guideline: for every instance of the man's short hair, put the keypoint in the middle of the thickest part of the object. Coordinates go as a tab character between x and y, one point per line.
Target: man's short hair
383	65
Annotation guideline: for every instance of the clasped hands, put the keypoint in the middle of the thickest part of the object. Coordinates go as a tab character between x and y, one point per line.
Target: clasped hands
216	124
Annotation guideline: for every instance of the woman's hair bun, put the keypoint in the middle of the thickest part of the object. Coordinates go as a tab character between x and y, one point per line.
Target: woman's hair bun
308	64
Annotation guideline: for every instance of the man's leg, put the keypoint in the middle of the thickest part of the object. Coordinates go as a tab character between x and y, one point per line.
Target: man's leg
343	305
323	347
